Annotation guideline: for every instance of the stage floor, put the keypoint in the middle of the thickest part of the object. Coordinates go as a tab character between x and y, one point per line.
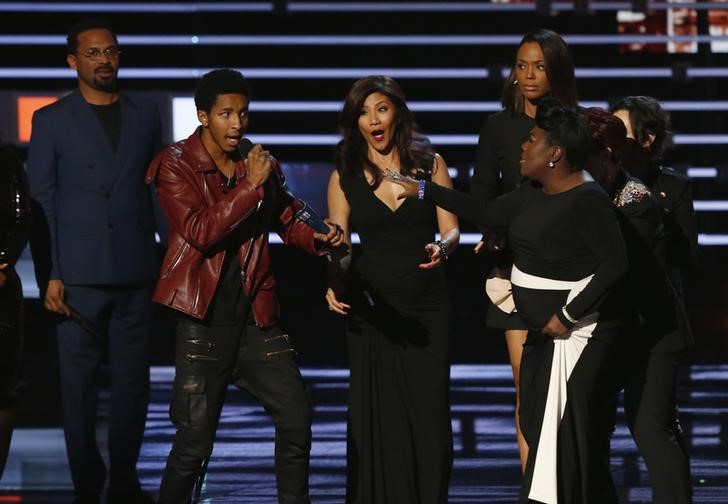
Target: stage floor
486	468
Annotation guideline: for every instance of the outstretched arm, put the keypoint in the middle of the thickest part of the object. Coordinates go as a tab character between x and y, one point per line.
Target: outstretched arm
447	223
339	212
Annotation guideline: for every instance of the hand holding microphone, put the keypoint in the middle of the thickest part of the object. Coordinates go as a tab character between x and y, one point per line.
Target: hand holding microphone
258	162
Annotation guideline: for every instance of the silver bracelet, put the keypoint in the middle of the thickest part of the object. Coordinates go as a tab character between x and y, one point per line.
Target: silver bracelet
421	189
443	249
567	316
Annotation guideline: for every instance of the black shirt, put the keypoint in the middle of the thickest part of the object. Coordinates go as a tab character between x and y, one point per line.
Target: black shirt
230	305
110	117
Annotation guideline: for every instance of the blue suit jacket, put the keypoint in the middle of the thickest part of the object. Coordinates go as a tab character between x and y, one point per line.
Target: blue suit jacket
99	210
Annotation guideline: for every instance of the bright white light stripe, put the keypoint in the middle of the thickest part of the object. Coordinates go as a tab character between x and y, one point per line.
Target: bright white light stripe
261	73
477	6
711	205
429	106
702	172
356	73
697	139
24	267
452	139
474	238
358	40
465	238
146	7
697	106
319	140
712	239
707	72
330	7
614	73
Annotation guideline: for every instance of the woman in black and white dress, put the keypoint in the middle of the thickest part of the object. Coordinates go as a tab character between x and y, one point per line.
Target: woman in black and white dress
568	256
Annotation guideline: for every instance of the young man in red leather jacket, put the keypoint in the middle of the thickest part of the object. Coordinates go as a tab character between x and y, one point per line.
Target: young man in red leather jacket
217	278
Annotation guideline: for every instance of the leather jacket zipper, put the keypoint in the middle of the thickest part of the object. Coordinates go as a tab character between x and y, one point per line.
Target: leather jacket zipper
176	260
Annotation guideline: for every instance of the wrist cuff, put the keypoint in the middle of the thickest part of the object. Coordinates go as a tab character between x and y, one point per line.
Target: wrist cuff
566	318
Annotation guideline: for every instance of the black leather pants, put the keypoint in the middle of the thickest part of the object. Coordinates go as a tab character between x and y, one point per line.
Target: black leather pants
11	336
258	361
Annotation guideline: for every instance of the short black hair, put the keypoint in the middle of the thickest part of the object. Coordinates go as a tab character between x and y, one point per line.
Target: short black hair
219	82
647	117
566	127
83	25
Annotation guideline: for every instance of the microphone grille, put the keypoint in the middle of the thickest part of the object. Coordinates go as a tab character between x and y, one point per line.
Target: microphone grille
244	147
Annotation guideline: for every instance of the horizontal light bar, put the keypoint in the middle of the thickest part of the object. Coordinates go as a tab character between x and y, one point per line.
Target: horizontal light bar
479	6
712	239
157	7
259	73
333	139
463	106
707	72
711	205
702	172
24	267
698	139
146	7
358	40
356	73
451	139
474	238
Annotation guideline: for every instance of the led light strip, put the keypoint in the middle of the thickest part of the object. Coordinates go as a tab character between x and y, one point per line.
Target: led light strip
146	7
711	205
465	106
450	139
358	40
356	73
474	238
702	172
158	7
479	6
24	267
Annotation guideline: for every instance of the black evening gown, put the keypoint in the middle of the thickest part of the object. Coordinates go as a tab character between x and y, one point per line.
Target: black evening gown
399	433
569	255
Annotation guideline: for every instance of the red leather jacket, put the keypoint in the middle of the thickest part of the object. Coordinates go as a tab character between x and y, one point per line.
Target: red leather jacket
200	213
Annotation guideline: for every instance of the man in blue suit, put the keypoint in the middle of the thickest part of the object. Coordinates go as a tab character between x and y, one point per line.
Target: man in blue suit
86	163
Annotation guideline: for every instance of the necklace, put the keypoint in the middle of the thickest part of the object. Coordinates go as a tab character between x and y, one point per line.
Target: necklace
227	182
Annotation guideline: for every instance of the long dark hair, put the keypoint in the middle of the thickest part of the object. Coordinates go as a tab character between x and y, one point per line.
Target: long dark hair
415	154
647	117
567	128
559	70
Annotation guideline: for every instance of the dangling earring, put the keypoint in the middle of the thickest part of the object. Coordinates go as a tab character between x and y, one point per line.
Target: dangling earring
515	82
551	164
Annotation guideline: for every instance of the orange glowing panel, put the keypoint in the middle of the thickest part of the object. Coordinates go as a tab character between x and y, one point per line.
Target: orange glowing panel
27	105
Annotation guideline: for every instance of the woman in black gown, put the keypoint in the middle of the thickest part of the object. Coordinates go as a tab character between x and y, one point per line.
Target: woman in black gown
14	233
542	65
396	303
657	331
568	256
